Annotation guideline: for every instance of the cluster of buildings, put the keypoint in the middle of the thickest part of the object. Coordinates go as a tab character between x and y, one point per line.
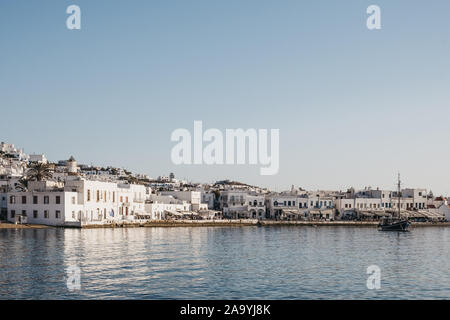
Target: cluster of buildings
366	204
80	195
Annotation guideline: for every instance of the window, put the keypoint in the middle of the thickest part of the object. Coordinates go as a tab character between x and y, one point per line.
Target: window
89	195
98	195
73	200
12	199
58	199
35	200
57	214
46	201
24	199
114	196
24	213
121	199
73	214
46	214
35	214
13	213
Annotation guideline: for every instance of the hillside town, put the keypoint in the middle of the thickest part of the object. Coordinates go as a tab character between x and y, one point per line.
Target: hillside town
34	190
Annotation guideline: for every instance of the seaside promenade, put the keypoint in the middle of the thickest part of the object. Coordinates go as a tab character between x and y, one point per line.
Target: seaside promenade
223	223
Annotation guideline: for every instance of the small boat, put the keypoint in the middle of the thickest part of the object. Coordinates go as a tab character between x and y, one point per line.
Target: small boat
392	224
396	223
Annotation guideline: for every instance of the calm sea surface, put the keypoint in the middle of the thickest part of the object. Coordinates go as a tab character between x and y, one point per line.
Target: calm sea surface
225	263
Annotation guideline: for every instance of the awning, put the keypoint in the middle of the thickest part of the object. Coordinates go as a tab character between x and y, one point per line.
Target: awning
175	213
366	213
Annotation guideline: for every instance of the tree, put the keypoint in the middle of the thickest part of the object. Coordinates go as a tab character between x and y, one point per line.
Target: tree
22	184
39	172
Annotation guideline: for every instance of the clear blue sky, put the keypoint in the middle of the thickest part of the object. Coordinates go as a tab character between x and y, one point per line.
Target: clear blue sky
353	106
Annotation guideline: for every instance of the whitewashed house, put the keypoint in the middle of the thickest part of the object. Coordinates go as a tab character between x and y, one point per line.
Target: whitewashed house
444	210
45	203
3	204
193	197
76	202
280	206
233	204
39	158
161	207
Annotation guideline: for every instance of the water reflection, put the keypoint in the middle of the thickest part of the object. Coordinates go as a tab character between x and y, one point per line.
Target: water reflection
224	263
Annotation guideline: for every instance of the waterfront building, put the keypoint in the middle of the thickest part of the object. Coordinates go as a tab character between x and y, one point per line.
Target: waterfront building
282	206
256	206
46	203
438	202
190	196
160	207
3	204
209	197
76	202
418	196
444	210
374	204
233	204
301	205
242	204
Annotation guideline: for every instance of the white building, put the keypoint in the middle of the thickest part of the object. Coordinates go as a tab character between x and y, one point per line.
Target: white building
72	166
444	209
209	198
256	206
3	204
78	202
241	204
160	207
194	197
18	154
39	158
282	205
45	203
296	205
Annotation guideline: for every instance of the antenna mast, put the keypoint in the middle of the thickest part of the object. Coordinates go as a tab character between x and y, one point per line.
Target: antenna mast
399	195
